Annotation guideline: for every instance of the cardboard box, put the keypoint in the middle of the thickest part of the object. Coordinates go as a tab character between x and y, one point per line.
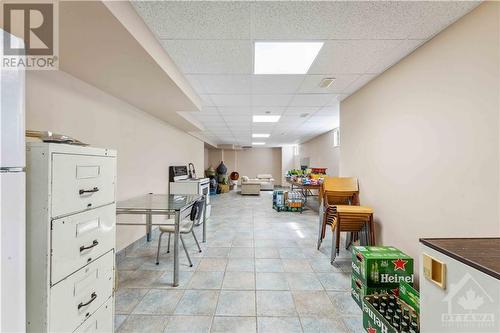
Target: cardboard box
380	265
374	322
359	290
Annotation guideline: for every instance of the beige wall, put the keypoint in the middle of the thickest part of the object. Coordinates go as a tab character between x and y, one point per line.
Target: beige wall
146	146
249	162
321	153
423	138
206	163
288	161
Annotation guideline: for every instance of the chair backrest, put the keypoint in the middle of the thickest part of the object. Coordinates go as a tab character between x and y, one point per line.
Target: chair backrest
340	184
340	191
196	211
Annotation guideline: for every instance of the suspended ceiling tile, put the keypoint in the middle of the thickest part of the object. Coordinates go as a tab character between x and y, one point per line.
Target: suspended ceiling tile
196	20
311	99
271	100
224	84
395	55
231	100
276	84
311	83
211	56
350	56
235	110
356	85
272	110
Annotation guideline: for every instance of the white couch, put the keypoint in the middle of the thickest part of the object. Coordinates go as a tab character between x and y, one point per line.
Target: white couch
266	182
250	186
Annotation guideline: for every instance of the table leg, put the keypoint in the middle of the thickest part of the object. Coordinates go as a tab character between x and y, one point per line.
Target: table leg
176	247
205	222
149	224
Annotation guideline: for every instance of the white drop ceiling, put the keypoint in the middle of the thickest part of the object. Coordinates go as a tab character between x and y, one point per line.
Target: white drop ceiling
212	43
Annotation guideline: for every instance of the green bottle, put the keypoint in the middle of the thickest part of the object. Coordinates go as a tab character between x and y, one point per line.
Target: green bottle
375	274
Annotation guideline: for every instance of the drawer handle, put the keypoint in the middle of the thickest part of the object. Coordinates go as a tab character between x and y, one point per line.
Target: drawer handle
95	189
93	296
94	244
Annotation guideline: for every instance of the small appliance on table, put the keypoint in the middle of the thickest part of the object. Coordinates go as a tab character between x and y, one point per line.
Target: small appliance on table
183	180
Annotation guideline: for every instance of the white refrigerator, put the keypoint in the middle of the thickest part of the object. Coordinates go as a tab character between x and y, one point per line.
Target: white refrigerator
12	198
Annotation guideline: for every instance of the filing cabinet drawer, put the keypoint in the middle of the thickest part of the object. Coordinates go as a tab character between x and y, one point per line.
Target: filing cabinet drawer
101	321
75	298
78	239
81	182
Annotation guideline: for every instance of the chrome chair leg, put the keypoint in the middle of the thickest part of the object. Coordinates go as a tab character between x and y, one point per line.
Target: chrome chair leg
196	240
168	244
185	250
159	245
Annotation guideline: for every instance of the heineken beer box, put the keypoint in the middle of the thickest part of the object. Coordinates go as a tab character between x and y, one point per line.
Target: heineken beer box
359	290
386	313
380	265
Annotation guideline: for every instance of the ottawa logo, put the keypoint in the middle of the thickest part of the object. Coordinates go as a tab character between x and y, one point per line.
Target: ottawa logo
399	264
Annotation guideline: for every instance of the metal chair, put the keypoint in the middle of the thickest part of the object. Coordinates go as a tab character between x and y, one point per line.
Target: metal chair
335	191
185	227
352	219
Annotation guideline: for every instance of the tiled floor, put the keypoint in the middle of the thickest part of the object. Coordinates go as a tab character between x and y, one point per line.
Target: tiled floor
259	271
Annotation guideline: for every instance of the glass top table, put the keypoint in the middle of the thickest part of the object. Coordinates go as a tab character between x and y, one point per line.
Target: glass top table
158	202
151	204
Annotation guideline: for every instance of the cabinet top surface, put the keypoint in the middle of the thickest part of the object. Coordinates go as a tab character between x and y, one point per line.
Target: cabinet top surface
480	253
71	149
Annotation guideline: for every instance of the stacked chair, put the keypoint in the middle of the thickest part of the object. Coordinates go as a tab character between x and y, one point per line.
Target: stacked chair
341	211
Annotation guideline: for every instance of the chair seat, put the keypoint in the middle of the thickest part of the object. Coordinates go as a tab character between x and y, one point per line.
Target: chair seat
185	226
354	209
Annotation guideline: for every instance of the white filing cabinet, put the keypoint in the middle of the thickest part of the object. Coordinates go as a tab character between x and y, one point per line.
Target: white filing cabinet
460	285
71	215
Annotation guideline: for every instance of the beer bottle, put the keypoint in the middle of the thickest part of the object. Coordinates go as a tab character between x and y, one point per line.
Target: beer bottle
411	331
392	298
375	305
390	312
392	305
388	318
383	305
375	273
399	312
396	319
404	326
414	326
384	299
396	326
381	311
406	318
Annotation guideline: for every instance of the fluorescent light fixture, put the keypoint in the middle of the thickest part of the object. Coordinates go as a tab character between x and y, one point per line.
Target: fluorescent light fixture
285	57
261	135
258	143
265	119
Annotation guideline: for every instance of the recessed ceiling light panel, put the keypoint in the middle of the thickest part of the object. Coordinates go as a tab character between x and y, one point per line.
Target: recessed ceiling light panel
285	57
258	143
265	118
256	135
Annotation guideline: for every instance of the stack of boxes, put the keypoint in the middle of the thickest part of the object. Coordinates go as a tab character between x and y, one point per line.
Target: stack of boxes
378	269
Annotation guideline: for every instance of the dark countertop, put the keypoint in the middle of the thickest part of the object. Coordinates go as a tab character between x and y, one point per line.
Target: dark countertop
481	253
